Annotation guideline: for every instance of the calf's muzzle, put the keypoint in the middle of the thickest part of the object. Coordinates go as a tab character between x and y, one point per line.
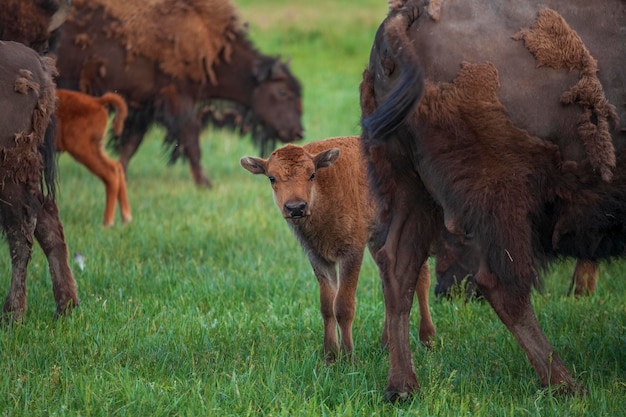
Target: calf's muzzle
295	209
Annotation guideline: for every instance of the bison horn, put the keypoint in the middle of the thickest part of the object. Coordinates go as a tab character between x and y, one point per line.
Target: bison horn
58	18
277	69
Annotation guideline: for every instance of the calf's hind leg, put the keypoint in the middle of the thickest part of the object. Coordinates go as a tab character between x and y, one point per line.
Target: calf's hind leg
122	194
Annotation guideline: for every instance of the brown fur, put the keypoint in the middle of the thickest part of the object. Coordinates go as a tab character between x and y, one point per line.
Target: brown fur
553	43
82	124
483	156
27	102
456	277
262	88
30	21
199	32
322	192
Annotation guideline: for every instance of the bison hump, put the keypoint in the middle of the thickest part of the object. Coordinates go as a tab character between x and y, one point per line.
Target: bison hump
186	37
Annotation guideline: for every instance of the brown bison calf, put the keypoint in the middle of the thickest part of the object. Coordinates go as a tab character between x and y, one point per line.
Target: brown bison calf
321	190
82	124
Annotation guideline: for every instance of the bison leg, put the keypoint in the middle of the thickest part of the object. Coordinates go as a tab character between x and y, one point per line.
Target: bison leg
427	329
584	278
515	311
183	125
20	239
49	234
191	137
134	131
326	275
400	261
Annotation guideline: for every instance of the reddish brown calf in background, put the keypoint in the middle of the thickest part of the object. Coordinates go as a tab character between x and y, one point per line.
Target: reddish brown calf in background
82	124
322	192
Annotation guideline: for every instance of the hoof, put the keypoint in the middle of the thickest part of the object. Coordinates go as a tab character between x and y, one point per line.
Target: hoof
392	396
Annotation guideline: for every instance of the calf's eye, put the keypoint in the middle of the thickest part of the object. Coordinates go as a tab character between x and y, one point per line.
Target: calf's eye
312	177
272	179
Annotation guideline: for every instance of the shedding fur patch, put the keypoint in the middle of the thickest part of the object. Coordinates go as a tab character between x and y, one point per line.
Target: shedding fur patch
554	44
434	9
22	162
186	37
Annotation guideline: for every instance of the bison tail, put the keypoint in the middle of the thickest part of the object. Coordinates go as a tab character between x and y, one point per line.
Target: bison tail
400	102
121	110
48	153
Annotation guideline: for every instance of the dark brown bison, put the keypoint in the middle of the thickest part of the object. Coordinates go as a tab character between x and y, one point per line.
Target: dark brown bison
321	191
452	279
81	127
27	167
498	124
27	103
168	58
32	22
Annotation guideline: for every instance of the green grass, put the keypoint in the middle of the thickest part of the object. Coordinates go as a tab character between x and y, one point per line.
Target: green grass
205	304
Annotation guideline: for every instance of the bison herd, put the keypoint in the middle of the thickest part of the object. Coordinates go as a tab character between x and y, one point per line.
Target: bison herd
497	151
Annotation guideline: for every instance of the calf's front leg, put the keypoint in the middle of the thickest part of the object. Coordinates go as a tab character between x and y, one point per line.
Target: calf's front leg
326	275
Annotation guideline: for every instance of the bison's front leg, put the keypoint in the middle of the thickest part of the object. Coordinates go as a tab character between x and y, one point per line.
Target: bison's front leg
183	126
49	234
135	129
190	140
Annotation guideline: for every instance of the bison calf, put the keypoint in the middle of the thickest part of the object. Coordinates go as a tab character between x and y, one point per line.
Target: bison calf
321	190
82	123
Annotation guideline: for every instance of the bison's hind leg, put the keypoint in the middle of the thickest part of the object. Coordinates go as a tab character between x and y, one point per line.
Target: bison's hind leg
20	238
49	234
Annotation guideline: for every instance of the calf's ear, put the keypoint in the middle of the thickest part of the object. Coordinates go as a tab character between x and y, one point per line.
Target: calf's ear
254	165
326	158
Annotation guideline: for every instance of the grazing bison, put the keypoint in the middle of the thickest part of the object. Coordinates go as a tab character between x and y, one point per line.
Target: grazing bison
168	58
321	191
506	138
81	126
27	103
31	22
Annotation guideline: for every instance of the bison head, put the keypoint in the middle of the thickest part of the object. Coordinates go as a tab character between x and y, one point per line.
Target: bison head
291	171
31	22
277	101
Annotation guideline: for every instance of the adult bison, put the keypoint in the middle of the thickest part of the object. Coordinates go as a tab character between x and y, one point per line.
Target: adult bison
169	57
27	166
498	123
33	22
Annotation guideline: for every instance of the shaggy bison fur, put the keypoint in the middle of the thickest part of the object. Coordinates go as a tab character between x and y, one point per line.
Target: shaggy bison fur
508	140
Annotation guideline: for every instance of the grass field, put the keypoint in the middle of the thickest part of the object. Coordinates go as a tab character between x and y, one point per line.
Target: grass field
205	304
